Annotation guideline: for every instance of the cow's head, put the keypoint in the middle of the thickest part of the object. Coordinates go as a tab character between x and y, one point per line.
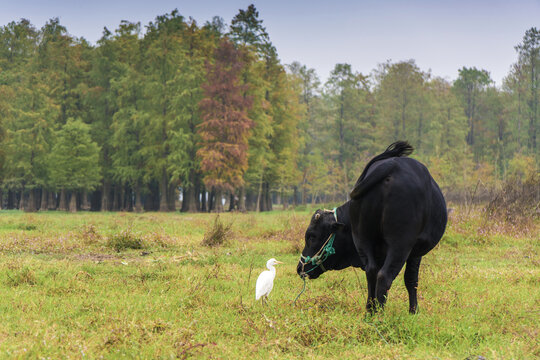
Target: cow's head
320	250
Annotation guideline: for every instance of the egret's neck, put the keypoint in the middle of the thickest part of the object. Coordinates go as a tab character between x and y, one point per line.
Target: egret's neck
271	268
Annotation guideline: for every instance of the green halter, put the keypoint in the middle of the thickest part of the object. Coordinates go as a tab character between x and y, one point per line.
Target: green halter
326	250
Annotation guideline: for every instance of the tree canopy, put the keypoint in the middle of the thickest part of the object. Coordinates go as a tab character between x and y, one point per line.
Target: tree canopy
175	111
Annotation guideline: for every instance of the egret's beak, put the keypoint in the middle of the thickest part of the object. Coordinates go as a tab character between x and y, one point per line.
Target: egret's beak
278	262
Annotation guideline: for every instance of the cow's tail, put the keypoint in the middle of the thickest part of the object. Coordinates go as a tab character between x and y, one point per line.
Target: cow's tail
397	149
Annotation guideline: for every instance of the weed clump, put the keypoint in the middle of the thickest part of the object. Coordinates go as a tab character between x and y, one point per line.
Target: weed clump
89	234
126	239
20	276
27	226
516	202
217	234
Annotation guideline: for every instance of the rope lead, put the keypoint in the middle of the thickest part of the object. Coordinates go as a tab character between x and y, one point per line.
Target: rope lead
301	292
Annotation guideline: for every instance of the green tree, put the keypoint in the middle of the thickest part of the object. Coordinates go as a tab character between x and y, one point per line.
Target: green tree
349	131
165	138
130	120
529	54
469	86
445	149
400	102
308	90
74	161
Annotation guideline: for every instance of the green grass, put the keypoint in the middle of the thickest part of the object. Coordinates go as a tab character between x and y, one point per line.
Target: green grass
112	285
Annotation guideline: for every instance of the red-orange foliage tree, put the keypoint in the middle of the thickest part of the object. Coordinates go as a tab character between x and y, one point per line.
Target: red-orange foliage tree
225	125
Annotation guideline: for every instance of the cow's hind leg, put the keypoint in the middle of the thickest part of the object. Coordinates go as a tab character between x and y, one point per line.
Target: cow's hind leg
411	282
392	265
371	276
372	268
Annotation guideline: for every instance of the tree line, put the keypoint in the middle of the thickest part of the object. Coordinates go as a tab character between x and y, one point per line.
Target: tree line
209	115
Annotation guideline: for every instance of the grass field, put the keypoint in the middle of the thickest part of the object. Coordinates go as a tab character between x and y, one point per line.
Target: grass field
123	285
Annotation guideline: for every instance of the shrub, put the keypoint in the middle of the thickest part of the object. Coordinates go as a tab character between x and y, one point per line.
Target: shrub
217	234
125	240
516	202
89	234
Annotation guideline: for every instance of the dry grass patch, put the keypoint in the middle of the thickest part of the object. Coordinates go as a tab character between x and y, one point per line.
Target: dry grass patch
218	234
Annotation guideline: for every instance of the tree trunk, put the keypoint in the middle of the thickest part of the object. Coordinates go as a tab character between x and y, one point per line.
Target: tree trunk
262	197
11	200
63	201
190	194
189	203
44	200
73	202
242	200
295	196
116	198
203	200
123	205
172	198
268	198
197	192
138	200
52	201
212	200
30	205
227	202
105	196
313	198
251	201
163	206
151	201
22	201
128	199
219	201
258	207
85	204
232	202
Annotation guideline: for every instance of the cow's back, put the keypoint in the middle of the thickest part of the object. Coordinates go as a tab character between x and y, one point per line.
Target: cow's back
405	196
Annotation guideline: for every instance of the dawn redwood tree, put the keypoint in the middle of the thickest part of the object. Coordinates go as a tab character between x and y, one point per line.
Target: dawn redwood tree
102	101
74	162
25	111
260	58
165	138
225	125
63	64
183	167
130	121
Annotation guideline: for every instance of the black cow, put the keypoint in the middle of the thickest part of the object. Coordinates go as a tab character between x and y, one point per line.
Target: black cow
396	215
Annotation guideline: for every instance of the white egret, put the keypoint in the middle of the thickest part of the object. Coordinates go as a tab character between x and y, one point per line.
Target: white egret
265	281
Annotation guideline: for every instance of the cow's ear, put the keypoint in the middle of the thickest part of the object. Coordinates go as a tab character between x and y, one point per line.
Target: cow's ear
337	226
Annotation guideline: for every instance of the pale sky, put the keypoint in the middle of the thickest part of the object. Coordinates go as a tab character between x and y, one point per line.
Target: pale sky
442	36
